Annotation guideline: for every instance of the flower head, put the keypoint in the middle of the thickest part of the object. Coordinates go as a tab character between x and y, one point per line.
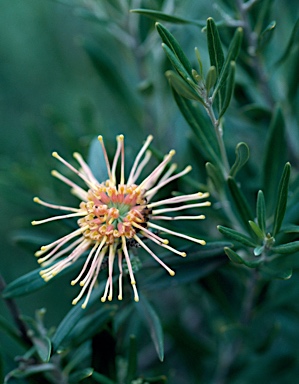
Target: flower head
113	213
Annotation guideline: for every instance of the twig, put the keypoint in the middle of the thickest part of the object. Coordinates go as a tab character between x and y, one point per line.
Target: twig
15	313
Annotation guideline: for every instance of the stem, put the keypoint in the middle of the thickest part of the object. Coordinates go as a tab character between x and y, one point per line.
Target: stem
208	105
15	313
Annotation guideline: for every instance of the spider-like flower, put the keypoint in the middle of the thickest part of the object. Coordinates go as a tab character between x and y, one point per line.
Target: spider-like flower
111	215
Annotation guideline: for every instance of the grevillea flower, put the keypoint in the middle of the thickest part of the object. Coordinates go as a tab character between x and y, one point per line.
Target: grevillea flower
112	214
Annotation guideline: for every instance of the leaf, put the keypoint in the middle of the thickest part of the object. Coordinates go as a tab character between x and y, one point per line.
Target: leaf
96	161
202	130
215	53
290	229
282	199
242	156
232	54
32	281
241	203
153	323
43	347
214	46
80	375
286	249
274	157
73	317
257	230
235	258
199	263
99	378
181	87
237	236
211	78
174	46
230	84
90	325
215	176
261	211
176	63
293	41
30	370
132	360
157	15
266	35
277	273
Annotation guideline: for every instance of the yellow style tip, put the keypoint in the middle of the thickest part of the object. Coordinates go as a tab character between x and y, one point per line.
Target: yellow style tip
110	298
73	282
120	297
36	199
136	298
172	152
100	138
103	299
184	254
172	273
83	306
121	137
55	154
33	222
188	168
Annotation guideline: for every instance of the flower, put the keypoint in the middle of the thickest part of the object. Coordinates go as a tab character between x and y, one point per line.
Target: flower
113	213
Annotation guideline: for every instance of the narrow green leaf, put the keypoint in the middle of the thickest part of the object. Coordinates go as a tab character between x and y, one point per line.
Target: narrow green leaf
78	376
266	35
211	78
230	85
32	281
274	273
157	15
202	130
90	325
286	249
172	43
261	211
197	54
73	317
242	156
43	347
99	378
132	360
215	176
153	323
24	285
282	199
232	54
214	46
241	203
237	236
175	62
257	230
181	87
274	157
293	41
290	229
235	258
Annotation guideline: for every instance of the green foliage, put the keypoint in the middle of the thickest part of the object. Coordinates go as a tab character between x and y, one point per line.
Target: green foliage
230	110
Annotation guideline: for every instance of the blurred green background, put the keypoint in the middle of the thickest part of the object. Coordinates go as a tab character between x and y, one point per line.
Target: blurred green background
65	78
